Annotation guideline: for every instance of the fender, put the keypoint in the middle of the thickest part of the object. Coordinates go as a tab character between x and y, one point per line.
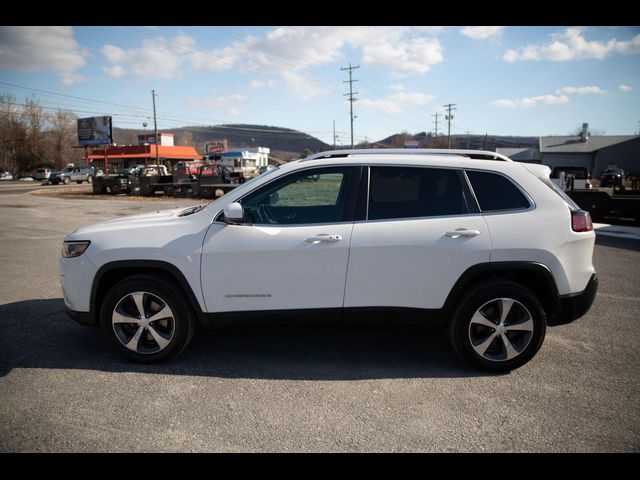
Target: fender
141	266
550	301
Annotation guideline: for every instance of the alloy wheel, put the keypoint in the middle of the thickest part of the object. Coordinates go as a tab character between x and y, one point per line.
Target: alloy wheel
143	322
501	329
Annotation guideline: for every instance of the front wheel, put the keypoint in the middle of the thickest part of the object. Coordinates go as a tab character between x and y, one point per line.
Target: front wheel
66	180
499	326
146	319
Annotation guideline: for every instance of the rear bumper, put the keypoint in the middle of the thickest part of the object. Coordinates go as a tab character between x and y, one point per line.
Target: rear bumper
575	305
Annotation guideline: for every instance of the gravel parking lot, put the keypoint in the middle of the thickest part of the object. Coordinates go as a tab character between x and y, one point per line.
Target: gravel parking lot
62	388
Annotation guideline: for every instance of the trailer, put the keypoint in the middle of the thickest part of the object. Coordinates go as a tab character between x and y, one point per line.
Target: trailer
606	203
113	184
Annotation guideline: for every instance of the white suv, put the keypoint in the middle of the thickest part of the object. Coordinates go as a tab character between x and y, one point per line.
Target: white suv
468	240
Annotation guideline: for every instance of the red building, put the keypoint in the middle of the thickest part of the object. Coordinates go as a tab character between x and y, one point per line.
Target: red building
116	159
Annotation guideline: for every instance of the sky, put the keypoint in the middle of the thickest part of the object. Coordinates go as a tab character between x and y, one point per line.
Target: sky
503	80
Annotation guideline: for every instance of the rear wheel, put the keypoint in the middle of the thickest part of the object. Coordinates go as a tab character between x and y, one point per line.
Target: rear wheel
499	326
146	319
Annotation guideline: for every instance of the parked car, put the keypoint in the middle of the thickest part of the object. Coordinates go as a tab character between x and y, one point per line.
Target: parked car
491	250
6	176
42	174
74	174
612	177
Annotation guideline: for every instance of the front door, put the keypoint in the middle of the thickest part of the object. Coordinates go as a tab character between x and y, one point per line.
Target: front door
291	251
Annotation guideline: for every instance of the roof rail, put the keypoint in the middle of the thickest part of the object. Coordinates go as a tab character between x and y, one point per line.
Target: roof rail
477	154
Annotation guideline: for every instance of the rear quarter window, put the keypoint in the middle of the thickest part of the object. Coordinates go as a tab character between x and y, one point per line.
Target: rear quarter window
496	192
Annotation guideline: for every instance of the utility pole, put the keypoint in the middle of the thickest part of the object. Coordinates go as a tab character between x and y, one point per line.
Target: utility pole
351	93
334	134
436	129
448	117
468	138
486	135
155	125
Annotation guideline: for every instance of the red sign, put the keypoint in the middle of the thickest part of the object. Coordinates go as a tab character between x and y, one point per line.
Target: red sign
217	146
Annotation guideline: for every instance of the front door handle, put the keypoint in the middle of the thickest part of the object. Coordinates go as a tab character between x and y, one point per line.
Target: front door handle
323	237
462	232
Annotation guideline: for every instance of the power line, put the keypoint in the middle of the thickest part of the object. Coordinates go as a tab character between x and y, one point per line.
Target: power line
351	93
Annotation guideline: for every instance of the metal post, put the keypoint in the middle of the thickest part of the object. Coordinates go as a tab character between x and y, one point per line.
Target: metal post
155	126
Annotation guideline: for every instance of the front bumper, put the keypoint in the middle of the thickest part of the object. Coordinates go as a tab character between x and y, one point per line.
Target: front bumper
575	305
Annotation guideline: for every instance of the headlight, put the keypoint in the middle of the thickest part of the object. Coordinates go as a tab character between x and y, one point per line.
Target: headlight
74	249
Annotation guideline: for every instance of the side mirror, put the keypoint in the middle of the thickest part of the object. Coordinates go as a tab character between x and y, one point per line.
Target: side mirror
233	214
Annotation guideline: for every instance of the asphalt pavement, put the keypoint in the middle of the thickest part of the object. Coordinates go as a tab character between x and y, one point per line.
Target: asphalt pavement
278	390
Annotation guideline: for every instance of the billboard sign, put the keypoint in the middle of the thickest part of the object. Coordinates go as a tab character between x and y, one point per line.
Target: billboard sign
95	131
217	146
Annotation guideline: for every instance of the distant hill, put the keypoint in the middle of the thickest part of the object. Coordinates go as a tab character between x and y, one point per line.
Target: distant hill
239	137
286	143
474	142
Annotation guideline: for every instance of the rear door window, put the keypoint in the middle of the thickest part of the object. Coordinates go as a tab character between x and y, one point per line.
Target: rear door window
406	192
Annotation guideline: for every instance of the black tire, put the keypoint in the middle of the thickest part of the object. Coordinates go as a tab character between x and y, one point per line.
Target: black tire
466	336
156	287
66	180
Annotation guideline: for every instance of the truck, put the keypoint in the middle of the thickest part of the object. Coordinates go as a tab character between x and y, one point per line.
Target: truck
242	169
75	174
571	178
127	182
208	180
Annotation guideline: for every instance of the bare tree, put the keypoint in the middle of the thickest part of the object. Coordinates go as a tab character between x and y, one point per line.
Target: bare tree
10	131
63	133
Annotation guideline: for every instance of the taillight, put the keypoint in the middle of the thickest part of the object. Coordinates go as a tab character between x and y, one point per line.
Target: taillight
581	221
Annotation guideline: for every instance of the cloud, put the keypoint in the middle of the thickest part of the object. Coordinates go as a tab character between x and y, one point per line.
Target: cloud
256	84
625	88
397	86
397	102
31	49
288	53
481	33
157	58
228	105
416	55
580	90
572	45
527	102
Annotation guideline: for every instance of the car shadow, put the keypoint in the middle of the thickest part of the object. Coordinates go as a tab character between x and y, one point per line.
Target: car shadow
617	242
38	334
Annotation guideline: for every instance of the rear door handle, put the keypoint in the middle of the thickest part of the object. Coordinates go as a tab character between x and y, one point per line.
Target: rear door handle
324	237
462	232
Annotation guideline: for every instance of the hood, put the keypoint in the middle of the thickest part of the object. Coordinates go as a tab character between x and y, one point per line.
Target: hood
157	218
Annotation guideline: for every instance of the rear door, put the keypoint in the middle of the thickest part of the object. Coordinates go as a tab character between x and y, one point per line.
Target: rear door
421	231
